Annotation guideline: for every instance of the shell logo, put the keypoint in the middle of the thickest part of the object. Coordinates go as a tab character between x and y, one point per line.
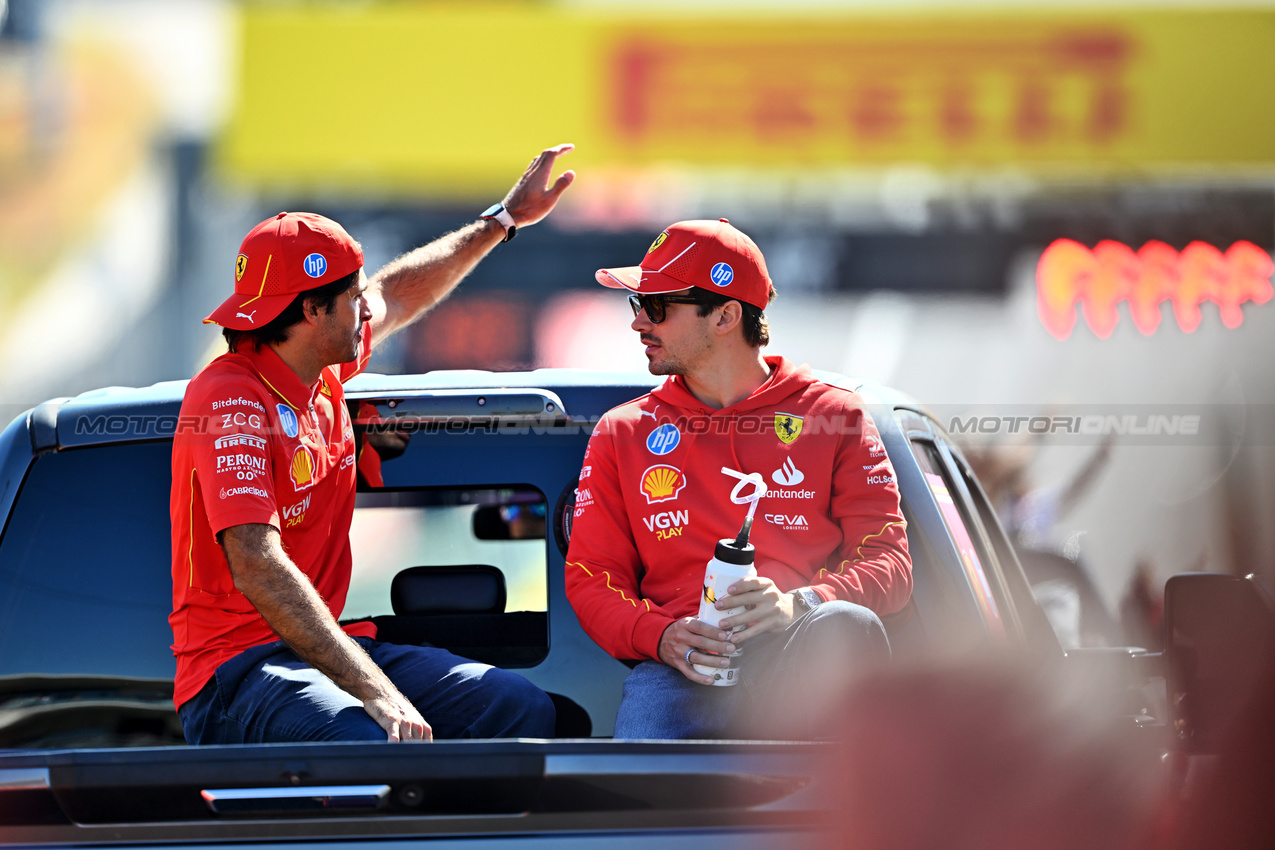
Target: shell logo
661	483
302	469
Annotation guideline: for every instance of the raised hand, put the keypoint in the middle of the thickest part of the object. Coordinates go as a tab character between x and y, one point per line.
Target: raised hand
532	198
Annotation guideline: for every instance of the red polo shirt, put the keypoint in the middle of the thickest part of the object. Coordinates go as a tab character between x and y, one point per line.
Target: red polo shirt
257	446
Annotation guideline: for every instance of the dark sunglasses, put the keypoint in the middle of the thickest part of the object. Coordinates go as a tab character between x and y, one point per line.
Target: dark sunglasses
655	305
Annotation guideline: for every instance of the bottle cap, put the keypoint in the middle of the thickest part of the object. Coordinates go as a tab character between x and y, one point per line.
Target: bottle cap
731	552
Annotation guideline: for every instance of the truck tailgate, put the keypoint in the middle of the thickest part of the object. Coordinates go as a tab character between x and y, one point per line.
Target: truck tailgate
463	789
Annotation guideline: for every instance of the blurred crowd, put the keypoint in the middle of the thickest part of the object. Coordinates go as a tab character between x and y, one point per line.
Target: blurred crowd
1031	514
995	755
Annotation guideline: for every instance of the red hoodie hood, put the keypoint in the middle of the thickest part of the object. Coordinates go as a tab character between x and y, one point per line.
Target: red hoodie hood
785	379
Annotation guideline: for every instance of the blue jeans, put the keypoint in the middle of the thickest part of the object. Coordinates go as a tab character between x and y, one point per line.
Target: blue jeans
268	695
790	684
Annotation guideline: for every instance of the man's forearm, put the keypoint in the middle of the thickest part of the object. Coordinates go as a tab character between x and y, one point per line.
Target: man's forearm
296	612
419	279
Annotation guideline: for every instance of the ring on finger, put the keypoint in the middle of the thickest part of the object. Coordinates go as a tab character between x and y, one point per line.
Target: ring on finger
688	655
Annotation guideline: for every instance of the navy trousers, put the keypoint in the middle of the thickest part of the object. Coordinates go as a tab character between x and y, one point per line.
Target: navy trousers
269	695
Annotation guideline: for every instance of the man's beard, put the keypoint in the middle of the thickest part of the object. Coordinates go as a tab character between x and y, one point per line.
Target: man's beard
664	366
354	345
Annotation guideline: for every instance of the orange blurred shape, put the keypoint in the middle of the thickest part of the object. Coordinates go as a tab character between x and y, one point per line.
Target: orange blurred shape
1100	279
1156	283
1203	270
1117	270
1249	280
1064	273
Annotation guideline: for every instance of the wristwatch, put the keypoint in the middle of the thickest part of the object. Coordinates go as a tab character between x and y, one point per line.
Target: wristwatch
501	215
806	598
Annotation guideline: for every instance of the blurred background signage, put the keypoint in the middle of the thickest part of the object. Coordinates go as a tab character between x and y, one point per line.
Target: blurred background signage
1098	280
368	96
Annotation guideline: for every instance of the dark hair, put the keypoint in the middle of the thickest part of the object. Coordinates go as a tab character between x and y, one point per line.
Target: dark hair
756	329
277	329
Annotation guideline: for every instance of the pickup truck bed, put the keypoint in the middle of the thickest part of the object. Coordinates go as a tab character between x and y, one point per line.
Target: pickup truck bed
92	753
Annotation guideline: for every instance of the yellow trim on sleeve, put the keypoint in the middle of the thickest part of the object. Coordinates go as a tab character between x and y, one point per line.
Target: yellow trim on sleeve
841	568
610	586
884	528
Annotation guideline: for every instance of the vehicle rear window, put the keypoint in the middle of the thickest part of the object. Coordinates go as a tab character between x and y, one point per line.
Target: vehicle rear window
971	560
502	527
88	545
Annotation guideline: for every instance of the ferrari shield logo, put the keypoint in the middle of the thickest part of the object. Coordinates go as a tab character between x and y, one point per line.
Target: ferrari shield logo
241	266
787	427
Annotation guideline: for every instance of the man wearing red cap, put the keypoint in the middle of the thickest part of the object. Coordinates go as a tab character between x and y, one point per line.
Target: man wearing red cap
653	501
263	497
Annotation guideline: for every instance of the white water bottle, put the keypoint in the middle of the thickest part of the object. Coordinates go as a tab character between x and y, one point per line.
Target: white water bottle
732	561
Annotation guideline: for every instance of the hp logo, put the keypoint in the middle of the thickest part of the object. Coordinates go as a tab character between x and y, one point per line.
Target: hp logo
316	264
663	439
722	274
287	420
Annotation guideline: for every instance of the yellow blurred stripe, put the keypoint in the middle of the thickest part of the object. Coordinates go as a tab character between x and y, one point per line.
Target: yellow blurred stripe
453	99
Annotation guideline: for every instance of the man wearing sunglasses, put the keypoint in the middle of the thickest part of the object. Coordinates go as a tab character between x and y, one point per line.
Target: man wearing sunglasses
831	550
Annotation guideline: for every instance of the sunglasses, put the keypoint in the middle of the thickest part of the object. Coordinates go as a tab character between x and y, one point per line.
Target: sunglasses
656	305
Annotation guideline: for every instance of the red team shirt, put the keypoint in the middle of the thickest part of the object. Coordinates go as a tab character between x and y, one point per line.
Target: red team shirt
257	446
653	502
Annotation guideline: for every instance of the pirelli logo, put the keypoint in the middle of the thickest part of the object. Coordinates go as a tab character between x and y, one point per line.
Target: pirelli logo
247	440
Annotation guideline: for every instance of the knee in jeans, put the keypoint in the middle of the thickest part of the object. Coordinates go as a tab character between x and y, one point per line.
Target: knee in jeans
848	622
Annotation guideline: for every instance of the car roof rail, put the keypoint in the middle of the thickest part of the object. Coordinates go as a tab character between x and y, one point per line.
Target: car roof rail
43	425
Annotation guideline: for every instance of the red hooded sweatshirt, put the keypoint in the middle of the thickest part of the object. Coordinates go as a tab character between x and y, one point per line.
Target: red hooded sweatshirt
653	502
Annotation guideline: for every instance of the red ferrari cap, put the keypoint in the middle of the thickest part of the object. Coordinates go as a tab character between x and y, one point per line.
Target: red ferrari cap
282	256
713	255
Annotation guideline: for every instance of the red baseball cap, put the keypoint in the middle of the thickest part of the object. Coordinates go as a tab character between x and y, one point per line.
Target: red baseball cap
282	256
713	255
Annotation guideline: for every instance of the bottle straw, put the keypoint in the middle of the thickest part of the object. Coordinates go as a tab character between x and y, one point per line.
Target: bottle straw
759	490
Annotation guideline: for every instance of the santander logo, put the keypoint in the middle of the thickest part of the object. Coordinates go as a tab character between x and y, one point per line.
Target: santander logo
788	475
